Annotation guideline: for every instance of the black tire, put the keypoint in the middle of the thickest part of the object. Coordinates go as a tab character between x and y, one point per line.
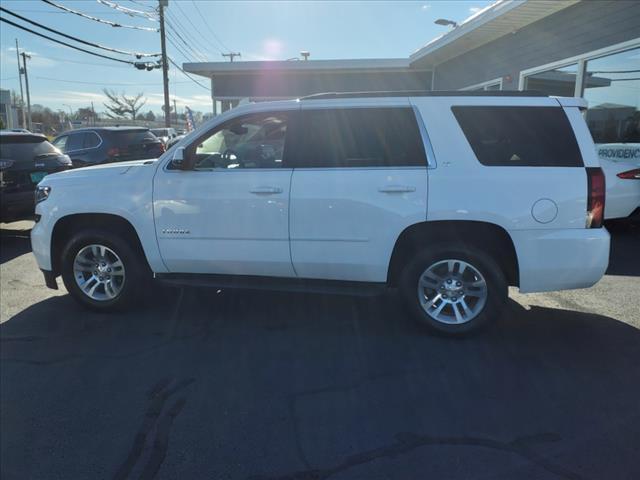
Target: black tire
496	285
130	257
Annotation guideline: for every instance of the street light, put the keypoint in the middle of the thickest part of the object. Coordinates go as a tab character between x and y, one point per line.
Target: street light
444	22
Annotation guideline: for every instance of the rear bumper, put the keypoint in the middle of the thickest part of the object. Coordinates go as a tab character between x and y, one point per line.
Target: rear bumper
561	259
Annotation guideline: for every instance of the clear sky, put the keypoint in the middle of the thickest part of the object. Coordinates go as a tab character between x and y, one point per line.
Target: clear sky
259	30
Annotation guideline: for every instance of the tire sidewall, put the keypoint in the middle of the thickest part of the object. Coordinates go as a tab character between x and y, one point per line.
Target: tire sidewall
127	256
497	289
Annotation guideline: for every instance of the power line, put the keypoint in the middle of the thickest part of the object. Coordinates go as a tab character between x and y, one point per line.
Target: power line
100	20
65	43
143	5
129	84
186	44
194	27
172	41
187	75
127	11
71	37
185	32
82	62
209	28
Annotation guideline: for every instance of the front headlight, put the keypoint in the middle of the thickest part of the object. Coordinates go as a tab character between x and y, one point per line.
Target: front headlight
42	193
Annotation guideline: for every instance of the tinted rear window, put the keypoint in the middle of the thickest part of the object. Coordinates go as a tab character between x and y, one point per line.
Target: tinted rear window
359	137
520	136
132	137
26	148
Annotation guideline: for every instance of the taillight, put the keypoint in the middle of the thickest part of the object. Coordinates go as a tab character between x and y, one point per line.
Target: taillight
113	152
630	174
595	197
162	148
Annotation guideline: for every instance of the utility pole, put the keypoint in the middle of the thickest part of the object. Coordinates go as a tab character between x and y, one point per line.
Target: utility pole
165	64
231	55
25	55
24	114
93	115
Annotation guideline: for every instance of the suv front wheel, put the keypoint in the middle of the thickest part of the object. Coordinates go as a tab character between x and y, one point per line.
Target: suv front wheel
453	290
101	270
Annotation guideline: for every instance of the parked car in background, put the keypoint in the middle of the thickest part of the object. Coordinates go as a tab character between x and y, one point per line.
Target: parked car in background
174	140
623	189
441	195
164	134
25	159
93	146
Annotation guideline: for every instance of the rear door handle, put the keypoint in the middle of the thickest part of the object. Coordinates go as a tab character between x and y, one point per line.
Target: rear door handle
396	189
265	190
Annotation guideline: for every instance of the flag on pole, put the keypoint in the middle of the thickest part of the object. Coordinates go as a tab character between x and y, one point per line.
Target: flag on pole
190	123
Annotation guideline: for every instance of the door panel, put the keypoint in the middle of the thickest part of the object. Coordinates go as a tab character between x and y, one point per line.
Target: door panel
344	222
360	179
224	221
230	214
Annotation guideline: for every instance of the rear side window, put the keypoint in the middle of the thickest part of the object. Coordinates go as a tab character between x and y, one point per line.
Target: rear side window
132	137
359	137
91	140
520	136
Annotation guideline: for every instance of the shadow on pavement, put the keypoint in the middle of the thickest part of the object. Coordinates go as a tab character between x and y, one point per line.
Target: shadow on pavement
624	258
272	385
13	243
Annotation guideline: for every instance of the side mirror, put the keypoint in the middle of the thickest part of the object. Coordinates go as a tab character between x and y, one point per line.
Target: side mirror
178	159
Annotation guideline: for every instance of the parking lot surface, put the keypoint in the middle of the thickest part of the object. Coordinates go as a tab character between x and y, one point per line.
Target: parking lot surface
234	385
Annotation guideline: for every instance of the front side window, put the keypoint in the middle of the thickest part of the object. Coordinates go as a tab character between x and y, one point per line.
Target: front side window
519	136
252	141
359	137
61	143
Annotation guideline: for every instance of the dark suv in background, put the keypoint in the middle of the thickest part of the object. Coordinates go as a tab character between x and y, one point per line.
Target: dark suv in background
25	159
92	146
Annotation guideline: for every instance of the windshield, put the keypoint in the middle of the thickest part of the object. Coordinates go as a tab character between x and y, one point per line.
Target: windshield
160	132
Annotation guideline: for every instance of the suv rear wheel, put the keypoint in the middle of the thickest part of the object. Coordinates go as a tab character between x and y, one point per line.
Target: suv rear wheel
453	289
101	270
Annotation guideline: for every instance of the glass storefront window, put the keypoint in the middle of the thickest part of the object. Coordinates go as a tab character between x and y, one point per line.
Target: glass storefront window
560	81
612	88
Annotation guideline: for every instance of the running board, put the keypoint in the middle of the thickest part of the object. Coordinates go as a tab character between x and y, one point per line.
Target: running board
335	287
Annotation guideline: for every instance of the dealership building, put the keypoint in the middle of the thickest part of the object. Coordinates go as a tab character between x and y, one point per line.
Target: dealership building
583	48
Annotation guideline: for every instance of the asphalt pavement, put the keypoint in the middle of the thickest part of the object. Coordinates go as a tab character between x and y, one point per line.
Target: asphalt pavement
206	384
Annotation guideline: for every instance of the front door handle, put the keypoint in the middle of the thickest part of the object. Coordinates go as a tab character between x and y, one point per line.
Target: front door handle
396	189
265	190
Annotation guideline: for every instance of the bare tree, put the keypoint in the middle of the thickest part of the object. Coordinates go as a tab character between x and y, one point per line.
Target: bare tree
120	105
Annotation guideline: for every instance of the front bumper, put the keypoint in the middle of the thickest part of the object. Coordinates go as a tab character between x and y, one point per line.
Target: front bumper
561	259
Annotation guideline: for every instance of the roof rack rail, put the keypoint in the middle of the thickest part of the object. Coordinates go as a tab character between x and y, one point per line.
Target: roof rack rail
427	93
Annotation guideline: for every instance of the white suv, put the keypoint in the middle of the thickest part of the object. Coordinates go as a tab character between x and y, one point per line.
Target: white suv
447	196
